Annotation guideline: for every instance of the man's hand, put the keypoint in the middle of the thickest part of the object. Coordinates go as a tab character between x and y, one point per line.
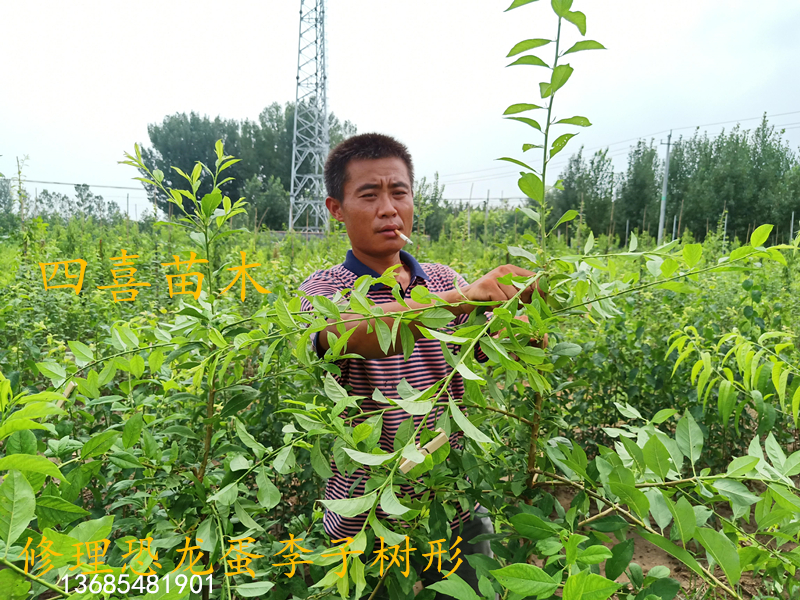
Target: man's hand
488	288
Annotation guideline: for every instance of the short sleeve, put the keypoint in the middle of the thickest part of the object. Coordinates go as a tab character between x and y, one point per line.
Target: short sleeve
319	283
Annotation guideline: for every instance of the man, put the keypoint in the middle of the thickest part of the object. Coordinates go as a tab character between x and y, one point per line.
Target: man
369	179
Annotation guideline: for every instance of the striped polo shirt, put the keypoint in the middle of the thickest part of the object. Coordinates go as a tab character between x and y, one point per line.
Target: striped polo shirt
425	366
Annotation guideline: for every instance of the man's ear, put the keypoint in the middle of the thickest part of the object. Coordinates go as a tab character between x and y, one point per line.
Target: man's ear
335	208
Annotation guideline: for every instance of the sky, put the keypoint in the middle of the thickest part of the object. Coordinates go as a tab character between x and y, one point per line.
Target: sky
82	80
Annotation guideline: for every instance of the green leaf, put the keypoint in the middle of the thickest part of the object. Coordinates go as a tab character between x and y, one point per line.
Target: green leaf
94	530
589	243
513	161
522	107
454	587
52	371
210	202
526	580
13	585
774	451
585	45
621	555
594	555
588	586
384	335
21	442
532	527
390	537
83	354
248	440
518	3
578	19
682	555
561	75
656	457
722	549
529	59
268	495
155	360
634	243
255	589
466	425
663	415
741	466
10	427
136	364
28	462
579	121
561	7
565	218
622	484
560	142
351	507
99	444
566	349
52	510
365	458
683	517
132	430
760	235
785	497
467	373
689	437
739	496
726	400
284	461
532	186
17	506
528	121
692	254
389	502
124	460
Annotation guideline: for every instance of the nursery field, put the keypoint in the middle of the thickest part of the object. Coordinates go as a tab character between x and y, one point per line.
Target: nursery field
167	429
652	444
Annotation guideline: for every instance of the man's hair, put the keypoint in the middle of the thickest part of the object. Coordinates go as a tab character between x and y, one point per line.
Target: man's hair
366	146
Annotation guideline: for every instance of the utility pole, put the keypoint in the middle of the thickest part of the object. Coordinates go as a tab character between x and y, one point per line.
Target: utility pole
674	225
311	141
664	195
791	229
725	231
469	213
486	222
611	219
127	216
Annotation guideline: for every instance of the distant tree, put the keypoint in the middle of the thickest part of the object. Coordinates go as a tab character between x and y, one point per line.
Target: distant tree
8	219
587	184
264	147
640	189
430	207
268	201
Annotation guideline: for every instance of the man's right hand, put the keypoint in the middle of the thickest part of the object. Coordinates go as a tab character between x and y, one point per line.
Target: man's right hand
488	288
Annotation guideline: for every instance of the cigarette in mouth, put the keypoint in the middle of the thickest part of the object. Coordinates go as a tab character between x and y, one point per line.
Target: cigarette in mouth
404	238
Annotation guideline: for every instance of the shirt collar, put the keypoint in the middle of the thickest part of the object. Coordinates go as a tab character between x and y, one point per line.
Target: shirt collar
352	264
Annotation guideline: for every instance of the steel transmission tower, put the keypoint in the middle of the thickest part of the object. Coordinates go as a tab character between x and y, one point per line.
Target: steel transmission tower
311	141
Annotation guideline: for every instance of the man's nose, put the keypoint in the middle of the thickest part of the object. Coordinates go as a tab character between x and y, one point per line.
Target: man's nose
386	207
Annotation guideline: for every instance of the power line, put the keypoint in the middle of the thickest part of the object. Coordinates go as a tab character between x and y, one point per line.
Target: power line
109	187
616	152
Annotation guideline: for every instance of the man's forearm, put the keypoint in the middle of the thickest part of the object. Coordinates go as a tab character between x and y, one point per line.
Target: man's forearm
367	344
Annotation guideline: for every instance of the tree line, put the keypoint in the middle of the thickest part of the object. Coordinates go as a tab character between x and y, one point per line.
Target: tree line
752	176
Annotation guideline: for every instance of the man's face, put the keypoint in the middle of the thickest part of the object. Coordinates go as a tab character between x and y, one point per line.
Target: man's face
377	202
